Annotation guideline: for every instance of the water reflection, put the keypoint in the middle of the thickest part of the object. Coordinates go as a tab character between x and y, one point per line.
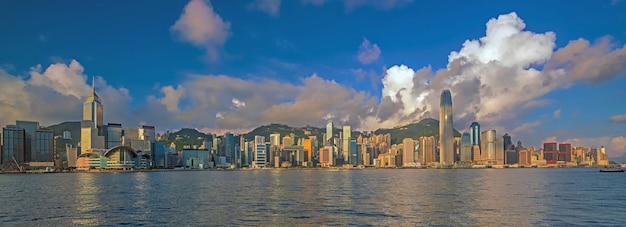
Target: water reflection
86	200
508	197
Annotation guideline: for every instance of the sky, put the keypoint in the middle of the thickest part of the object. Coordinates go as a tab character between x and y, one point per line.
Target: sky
538	70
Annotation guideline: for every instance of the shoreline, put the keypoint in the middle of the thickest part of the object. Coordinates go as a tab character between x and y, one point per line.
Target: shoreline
292	169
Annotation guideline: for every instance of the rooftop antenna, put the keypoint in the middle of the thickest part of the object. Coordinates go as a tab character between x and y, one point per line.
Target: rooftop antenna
93	84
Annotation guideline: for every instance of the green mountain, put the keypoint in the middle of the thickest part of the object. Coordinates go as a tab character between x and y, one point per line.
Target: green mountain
191	137
425	127
186	137
266	130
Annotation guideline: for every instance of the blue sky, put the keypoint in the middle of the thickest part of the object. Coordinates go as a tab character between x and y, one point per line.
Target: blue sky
234	65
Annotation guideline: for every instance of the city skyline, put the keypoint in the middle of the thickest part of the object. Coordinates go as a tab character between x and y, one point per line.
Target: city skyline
231	75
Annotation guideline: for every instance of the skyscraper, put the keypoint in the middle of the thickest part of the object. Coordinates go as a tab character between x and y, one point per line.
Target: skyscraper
446	131
475	141
329	132
92	108
345	148
408	152
91	135
466	147
475	133
427	147
488	146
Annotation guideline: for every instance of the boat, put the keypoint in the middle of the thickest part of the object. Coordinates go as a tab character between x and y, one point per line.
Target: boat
612	169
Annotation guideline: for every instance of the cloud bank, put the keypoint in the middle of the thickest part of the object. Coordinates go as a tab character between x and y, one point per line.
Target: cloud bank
496	80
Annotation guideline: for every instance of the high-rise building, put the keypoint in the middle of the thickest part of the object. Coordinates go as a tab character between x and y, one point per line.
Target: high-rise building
355	155
475	133
287	141
499	151
260	152
308	150
525	155
91	132
229	148
13	144
446	130
427	148
92	108
466	147
329	133
346	137
275	139
488	146
508	144
565	152
475	141
408	152
550	152
26	141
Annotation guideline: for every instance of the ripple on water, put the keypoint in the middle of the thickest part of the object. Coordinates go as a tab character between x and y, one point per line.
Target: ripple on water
508	197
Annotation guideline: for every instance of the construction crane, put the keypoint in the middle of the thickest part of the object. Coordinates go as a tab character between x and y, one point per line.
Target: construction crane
18	165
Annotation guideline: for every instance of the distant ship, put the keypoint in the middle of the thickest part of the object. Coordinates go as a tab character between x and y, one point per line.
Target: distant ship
612	169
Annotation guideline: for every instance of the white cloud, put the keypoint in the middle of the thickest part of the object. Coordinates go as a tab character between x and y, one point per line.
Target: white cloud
618	118
66	79
238	104
271	7
526	127
202	26
557	114
498	78
172	97
368	52
56	95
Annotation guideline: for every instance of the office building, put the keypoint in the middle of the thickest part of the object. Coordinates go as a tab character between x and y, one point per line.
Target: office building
408	152
466	147
488	147
446	130
427	149
345	148
260	152
565	152
329	133
550	152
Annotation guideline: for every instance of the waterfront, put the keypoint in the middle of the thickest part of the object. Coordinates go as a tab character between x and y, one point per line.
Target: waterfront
394	197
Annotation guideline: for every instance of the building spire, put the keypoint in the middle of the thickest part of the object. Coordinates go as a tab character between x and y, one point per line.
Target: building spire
93	84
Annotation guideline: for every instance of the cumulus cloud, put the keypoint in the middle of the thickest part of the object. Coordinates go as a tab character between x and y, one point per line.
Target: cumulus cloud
498	78
200	25
368	52
56	94
171	97
271	7
618	118
557	114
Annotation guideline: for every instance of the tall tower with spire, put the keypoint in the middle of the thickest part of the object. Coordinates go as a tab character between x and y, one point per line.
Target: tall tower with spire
92	130
92	108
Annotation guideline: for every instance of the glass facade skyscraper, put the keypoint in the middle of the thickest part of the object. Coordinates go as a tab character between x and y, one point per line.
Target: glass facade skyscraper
475	133
446	131
92	108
